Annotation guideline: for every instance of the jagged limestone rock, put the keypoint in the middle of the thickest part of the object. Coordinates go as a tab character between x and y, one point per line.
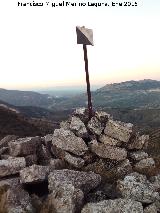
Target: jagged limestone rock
145	166
138	155
110	171
136	187
155	180
11	166
95	126
67	141
109	141
34	174
105	160
151	209
24	146
65	125
13	198
76	162
48	141
82	180
119	130
65	198
102	117
110	152
139	142
98	167
116	206
82	113
48	138
78	127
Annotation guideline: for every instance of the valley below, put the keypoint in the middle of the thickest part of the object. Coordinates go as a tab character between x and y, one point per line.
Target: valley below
137	102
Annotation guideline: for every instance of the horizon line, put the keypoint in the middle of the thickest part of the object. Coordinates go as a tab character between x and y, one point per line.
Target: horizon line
78	86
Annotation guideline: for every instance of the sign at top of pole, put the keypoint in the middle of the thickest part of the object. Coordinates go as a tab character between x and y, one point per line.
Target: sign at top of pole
84	36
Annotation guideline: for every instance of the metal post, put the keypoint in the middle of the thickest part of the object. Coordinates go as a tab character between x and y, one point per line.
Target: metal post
87	81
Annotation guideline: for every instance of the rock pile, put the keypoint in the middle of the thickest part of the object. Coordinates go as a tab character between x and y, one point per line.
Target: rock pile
87	166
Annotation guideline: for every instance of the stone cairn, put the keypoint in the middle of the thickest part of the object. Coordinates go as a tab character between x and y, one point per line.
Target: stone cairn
88	166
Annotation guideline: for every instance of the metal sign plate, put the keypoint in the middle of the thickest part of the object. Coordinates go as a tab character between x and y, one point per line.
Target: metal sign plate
84	36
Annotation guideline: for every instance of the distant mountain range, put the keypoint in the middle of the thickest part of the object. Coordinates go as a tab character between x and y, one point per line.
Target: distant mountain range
129	94
27	98
137	102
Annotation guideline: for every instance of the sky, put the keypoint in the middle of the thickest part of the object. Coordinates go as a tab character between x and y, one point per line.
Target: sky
38	47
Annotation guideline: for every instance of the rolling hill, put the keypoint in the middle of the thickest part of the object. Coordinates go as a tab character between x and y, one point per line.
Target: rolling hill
27	98
129	94
12	122
137	102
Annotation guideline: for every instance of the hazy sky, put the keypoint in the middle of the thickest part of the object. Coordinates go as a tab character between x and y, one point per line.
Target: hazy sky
38	44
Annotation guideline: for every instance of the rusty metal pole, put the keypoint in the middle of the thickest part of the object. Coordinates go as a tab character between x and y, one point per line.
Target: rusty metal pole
85	37
87	81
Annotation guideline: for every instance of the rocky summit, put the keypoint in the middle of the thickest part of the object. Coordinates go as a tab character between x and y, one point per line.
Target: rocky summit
86	166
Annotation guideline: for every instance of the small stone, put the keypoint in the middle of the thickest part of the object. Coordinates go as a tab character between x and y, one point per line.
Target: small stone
155	180
89	157
34	174
122	169
48	138
139	142
117	206
30	160
109	141
110	190
78	127
24	146
136	187
4	150
65	198
95	126
5	141
76	162
151	209
13	198
36	202
104	168
82	113
138	155
145	166
56	164
82	180
43	155
5	157
119	130
65	125
96	196
11	166
67	141
102	116
110	171
110	152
